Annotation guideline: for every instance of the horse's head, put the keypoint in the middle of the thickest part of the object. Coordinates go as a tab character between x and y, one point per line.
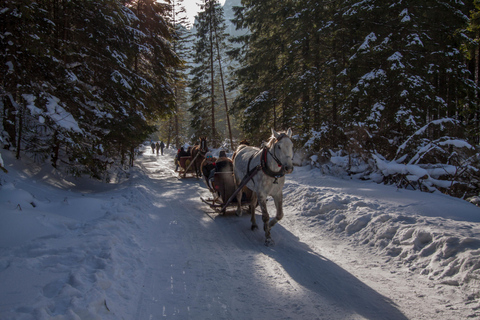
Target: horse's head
283	149
203	144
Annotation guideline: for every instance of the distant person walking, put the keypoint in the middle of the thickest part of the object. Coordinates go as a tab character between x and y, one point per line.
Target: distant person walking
157	145
162	145
153	148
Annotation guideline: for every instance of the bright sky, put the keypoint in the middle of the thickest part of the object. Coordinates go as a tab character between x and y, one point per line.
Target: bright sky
192	8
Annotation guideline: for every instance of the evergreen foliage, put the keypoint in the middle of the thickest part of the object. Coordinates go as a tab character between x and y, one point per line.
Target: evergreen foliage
80	80
362	78
336	68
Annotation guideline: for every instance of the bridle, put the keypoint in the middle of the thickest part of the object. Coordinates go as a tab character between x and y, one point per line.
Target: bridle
263	161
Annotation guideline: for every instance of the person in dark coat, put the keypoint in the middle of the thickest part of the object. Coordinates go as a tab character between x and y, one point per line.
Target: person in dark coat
162	145
223	163
181	153
208	166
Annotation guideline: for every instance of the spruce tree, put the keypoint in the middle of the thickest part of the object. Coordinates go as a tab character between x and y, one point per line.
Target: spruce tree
263	66
82	78
406	69
470	39
384	68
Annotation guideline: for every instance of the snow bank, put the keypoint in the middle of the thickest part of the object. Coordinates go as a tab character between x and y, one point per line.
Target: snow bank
66	255
431	234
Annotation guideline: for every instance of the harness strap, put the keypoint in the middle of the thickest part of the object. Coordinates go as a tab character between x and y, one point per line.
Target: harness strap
267	170
248	165
264	166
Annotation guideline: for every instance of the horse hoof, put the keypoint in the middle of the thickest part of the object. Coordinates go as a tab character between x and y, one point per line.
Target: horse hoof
254	227
239	213
269	242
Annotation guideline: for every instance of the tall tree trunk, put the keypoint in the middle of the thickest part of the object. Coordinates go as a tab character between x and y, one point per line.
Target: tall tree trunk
55	149
10	120
212	75
223	89
21	114
132	156
177	138
477	76
171	124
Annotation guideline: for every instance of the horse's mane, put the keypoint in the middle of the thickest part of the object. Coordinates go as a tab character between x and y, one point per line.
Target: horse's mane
272	139
240	147
245	142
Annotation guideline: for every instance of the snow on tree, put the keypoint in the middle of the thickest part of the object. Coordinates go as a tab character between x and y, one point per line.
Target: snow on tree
81	79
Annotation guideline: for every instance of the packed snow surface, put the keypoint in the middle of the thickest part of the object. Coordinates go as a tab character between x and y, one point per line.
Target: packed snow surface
146	247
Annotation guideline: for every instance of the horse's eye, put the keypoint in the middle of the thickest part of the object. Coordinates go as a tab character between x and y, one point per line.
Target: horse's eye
279	148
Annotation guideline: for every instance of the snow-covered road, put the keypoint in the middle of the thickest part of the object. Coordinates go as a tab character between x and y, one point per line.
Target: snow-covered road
205	266
148	248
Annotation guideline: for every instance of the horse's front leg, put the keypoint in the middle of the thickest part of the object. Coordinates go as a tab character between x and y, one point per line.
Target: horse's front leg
262	201
239	203
278	199
197	169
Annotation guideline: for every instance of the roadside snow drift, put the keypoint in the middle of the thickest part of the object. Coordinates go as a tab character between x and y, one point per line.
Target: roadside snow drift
433	234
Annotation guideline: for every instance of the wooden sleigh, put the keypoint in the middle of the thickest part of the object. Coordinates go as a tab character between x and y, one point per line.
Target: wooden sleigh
224	193
187	167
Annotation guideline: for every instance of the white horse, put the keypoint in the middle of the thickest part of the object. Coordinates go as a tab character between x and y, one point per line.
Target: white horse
275	160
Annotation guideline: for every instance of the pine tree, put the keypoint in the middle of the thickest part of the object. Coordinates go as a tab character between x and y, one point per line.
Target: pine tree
82	79
405	69
263	66
337	69
470	38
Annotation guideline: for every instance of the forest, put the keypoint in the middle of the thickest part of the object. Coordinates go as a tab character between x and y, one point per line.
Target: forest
390	86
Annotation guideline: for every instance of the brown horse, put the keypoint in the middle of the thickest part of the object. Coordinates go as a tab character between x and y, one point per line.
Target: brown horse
201	149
